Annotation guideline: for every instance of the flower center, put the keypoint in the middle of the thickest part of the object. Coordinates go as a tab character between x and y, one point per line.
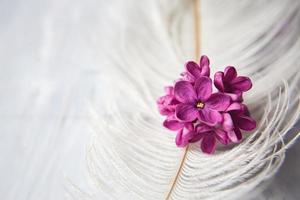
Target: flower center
200	105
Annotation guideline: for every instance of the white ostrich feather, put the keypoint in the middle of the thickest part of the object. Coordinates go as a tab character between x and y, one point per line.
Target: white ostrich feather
131	156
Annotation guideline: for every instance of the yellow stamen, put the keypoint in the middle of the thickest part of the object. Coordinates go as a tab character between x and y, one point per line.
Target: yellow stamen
200	105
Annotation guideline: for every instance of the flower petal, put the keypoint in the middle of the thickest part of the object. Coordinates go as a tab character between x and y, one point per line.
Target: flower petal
229	73
163	104
201	131
235	135
208	144
186	76
186	112
203	88
210	117
196	137
246	123
173	124
235	96
218	101
184	92
241	83
189	126
218	81
222	136
234	106
204	65
169	90
193	68
203	128
245	110
227	122
183	136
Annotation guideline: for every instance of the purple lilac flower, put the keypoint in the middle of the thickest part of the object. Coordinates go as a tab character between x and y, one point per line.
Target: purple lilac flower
198	102
199	115
241	120
195	71
185	130
209	135
167	103
231	84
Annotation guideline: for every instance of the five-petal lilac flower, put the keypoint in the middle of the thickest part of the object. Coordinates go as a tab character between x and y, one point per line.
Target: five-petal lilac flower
167	103
241	120
209	135
197	114
195	71
228	82
185	130
198	102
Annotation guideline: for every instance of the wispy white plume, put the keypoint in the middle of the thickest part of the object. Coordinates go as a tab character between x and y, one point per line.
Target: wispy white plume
143	46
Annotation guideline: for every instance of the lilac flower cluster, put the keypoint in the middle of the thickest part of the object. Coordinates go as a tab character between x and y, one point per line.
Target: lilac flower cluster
197	113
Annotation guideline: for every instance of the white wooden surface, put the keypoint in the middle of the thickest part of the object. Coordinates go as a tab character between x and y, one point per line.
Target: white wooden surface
48	73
